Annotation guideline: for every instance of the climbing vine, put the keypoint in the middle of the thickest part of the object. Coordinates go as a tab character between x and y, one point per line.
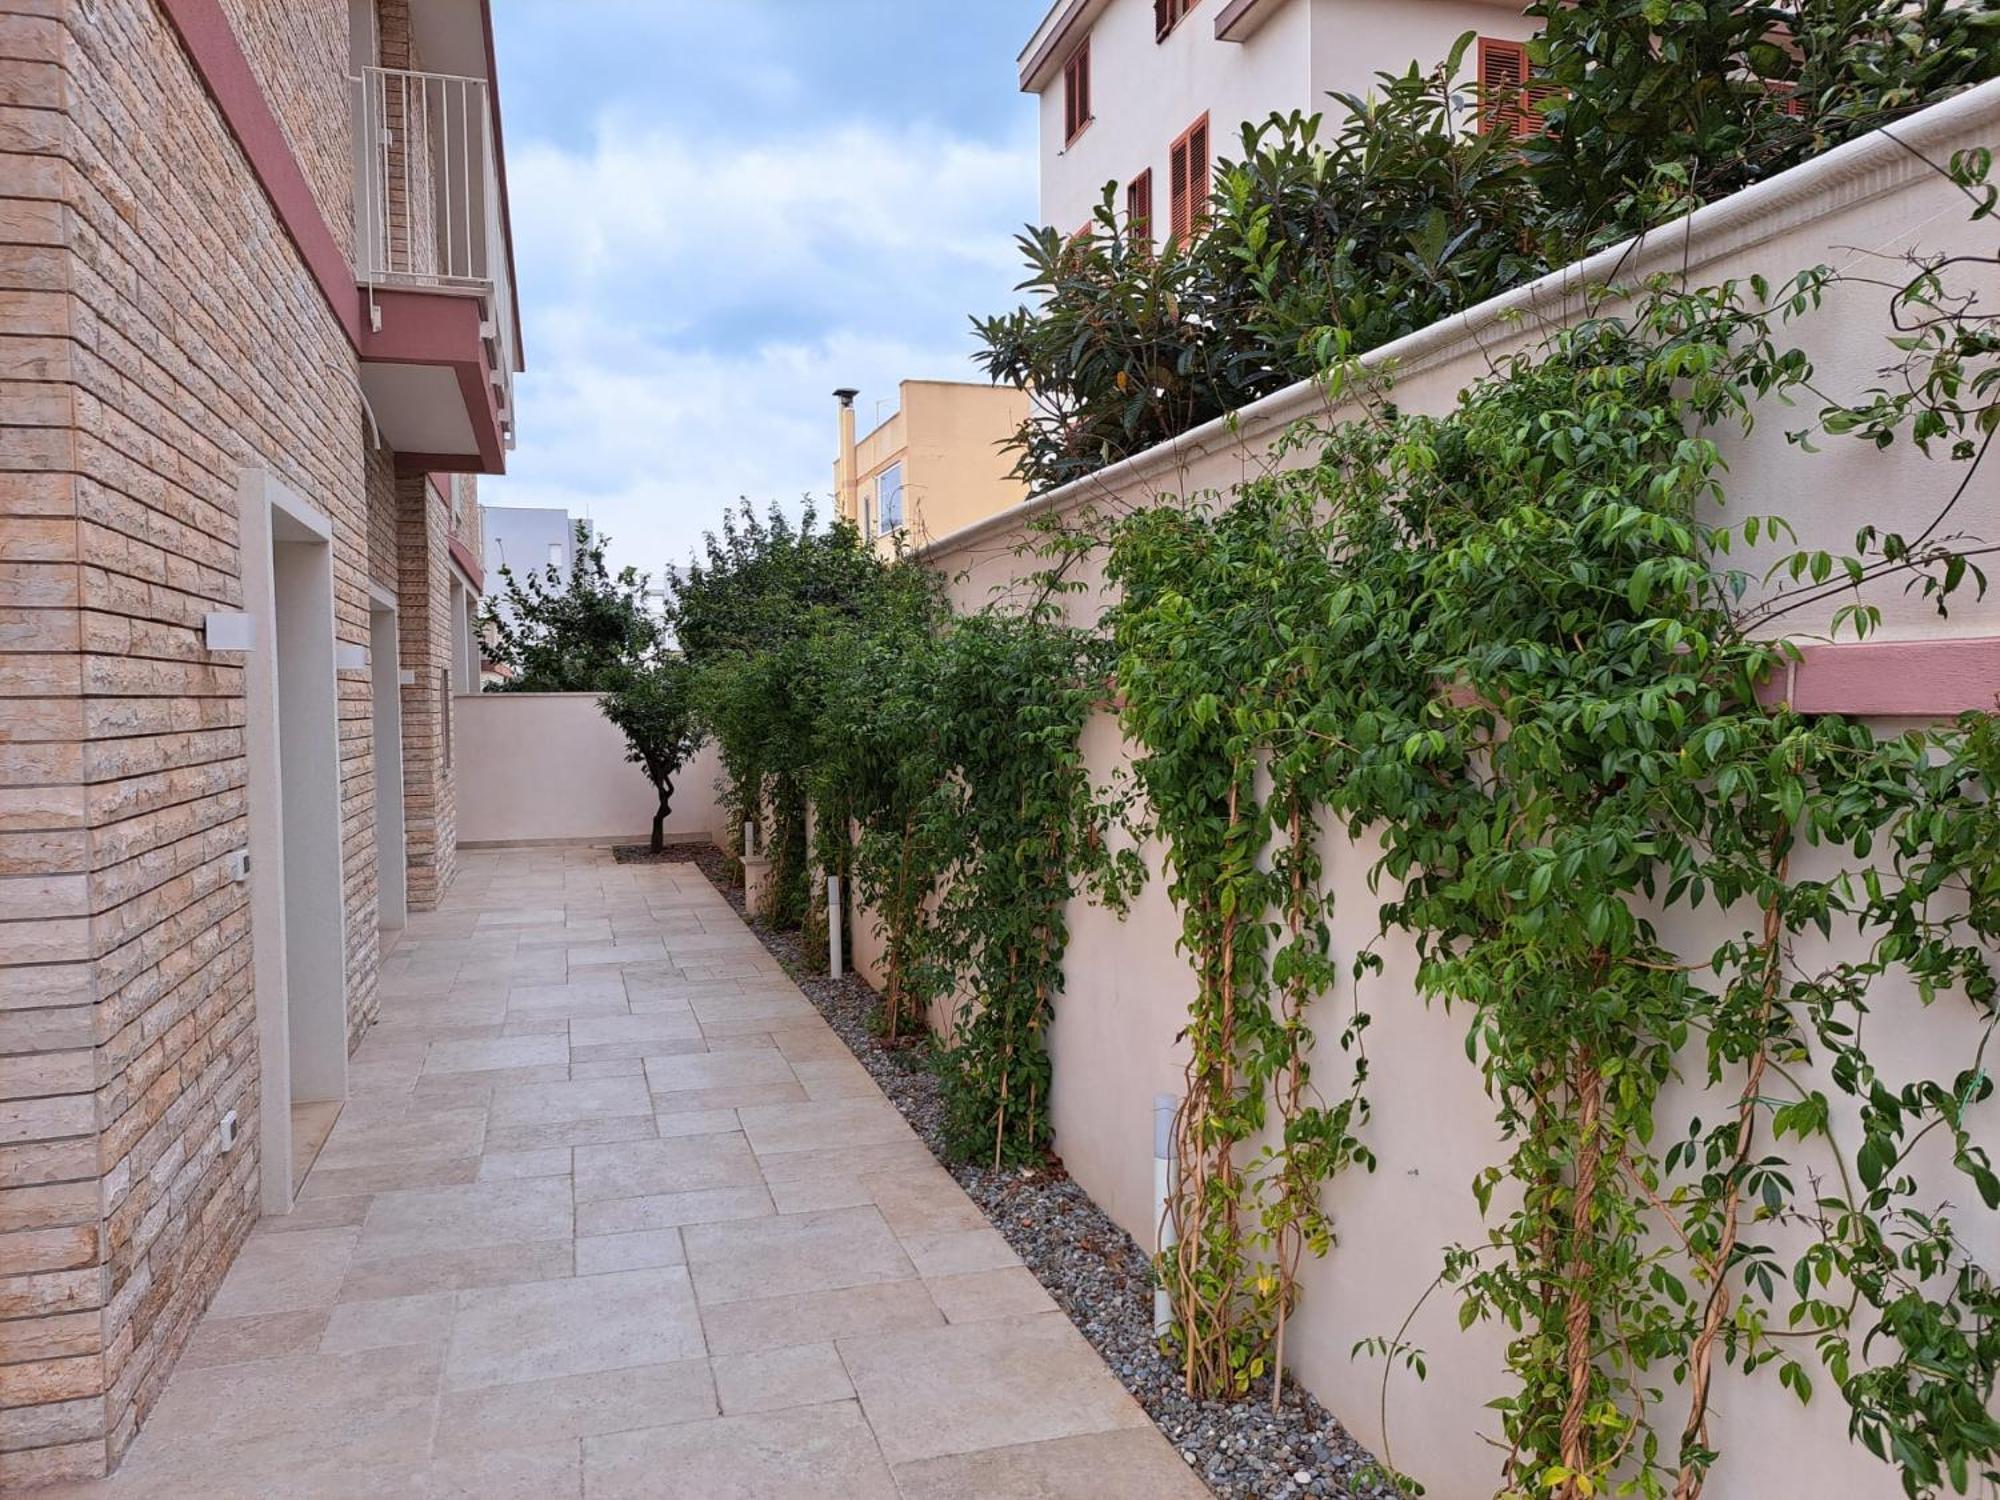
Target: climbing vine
1511	647
1023	829
1221	665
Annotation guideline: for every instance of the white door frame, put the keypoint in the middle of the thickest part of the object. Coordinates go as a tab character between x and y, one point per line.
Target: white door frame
292	732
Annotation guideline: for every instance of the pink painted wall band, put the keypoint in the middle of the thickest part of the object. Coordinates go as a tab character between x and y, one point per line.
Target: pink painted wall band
1895	679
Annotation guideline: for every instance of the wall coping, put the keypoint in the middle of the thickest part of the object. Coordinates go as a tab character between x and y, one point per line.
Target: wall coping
1862	169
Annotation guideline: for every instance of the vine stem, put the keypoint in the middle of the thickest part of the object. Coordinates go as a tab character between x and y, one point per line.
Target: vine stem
1701	1360
1577	1314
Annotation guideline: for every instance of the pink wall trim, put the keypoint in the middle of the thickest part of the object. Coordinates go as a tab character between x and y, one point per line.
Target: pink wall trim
217	56
462	555
438	328
1894	679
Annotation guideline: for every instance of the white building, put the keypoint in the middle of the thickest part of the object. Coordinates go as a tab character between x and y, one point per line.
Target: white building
1147	93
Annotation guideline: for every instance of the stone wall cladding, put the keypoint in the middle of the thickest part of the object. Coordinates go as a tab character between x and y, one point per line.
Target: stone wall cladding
430	812
158	334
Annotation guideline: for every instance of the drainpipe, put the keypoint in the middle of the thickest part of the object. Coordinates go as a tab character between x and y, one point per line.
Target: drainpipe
846	500
1165	1107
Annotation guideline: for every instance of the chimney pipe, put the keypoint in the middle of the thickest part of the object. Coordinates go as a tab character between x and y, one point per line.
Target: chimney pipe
846	499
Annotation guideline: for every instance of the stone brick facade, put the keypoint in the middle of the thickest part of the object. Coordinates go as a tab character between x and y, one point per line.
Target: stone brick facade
159	334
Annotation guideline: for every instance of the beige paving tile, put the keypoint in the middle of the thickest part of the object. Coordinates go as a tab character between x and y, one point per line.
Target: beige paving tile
311	1212
301	1410
657	1034
638	1169
820	1450
834	1078
510	1166
695	1122
1124	1465
778	1256
586	1100
531	1412
812	1317
235	1341
713	1070
795	1375
839	1161
817	1193
620	1067
1011	1292
544	1330
957	1251
729	1096
459	1218
989	1384
600	996
489	1265
598	1253
637	951
388	1323
350	1183
556	1134
500	1054
364	1139
667	1210
776	1128
286	1272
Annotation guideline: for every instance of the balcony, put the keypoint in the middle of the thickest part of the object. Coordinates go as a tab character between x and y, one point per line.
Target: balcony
441	341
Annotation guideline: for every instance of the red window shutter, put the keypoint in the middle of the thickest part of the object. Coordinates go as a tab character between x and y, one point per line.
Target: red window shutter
1139	210
1178	222
1198	175
1076	92
1503	87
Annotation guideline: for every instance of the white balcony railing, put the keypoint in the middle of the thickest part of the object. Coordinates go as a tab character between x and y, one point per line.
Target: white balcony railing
428	201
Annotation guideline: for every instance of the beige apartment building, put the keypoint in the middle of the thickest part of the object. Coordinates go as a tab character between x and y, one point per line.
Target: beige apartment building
257	337
936	464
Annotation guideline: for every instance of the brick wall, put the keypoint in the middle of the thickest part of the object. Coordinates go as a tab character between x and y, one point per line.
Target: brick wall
158	334
430	814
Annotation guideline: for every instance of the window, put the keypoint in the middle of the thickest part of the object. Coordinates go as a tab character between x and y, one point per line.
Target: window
1139	210
1188	170
1076	92
889	498
1510	103
1167	15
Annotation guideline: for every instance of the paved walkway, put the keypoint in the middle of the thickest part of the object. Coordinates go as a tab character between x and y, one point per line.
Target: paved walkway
612	1213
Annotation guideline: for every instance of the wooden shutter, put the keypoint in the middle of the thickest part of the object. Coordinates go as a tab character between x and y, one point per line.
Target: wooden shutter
1189	185
1165	13
1076	92
1139	211
1503	85
1198	178
1178	224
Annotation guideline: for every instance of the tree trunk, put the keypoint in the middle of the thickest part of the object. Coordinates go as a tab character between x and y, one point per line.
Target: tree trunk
664	785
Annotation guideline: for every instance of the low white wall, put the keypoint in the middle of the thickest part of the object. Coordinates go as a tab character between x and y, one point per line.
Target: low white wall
1126	988
544	767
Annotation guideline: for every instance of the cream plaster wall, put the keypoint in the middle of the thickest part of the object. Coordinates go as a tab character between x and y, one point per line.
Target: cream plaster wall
534	766
1126	988
1145	93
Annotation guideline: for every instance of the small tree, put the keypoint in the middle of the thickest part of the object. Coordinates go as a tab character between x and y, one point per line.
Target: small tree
654	707
576	636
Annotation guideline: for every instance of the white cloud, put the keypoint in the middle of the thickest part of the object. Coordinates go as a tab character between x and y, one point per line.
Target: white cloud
691	304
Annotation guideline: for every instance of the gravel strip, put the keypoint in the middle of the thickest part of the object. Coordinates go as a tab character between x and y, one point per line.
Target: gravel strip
1095	1271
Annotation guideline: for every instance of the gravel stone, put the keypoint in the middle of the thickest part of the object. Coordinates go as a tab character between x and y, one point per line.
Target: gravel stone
1093	1269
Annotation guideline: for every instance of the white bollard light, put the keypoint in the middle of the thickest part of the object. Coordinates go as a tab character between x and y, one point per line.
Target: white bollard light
1164	1109
833	926
749	839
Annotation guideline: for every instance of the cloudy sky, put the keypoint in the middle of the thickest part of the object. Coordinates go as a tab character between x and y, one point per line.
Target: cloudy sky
725	208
